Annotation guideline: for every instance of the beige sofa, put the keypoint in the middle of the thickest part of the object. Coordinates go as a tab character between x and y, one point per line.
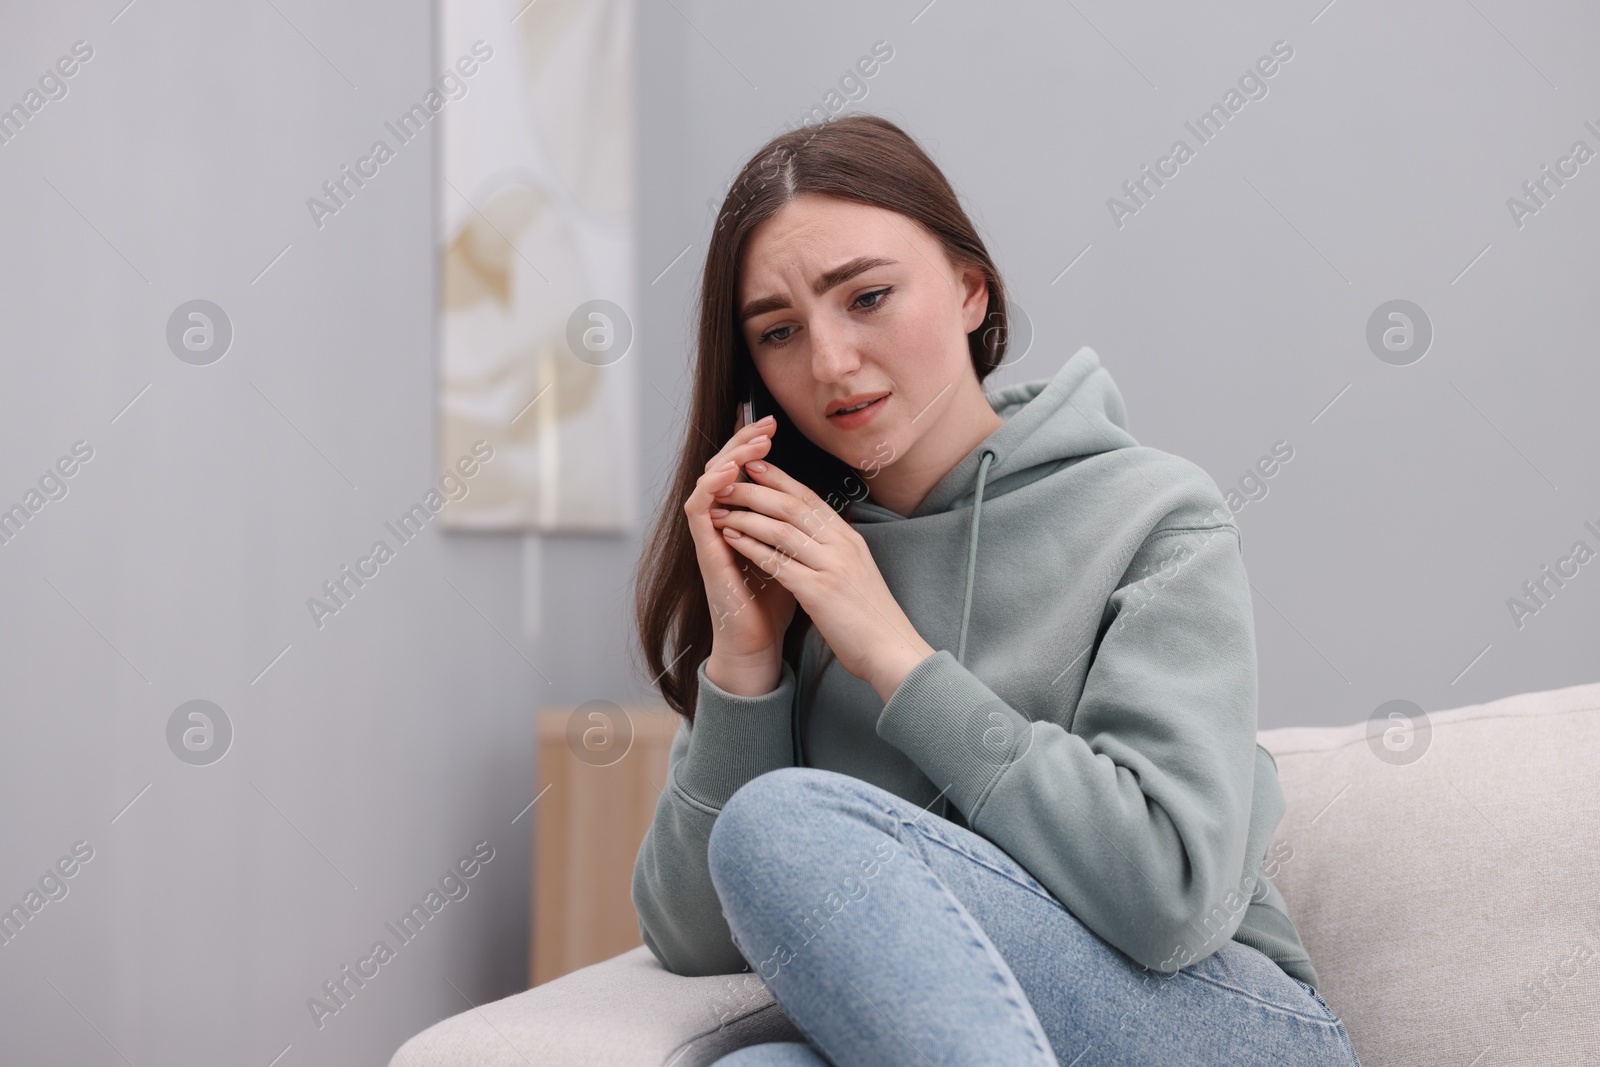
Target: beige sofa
1450	902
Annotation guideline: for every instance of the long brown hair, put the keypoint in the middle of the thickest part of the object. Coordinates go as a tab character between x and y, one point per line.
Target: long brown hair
862	158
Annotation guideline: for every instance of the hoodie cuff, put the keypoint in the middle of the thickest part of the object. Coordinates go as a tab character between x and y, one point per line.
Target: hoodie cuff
735	738
955	729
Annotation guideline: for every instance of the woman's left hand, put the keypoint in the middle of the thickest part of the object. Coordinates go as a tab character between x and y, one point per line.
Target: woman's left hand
795	536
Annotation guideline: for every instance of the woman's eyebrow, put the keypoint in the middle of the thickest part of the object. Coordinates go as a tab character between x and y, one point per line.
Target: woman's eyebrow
830	278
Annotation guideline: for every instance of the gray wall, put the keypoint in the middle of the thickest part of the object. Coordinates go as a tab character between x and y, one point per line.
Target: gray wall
380	748
1231	310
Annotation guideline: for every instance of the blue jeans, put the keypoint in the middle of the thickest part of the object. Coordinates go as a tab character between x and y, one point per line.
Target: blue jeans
890	935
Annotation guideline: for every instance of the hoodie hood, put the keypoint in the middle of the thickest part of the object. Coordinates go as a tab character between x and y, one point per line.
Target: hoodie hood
1049	423
1078	412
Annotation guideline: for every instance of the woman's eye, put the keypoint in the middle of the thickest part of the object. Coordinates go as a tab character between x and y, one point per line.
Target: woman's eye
778	336
881	294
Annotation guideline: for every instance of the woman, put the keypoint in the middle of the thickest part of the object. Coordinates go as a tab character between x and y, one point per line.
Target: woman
968	772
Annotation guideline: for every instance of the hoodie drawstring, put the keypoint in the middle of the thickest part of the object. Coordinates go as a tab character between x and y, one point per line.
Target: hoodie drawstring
972	570
972	554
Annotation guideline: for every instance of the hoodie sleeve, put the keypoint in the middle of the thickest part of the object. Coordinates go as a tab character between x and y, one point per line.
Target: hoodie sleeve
1135	814
733	740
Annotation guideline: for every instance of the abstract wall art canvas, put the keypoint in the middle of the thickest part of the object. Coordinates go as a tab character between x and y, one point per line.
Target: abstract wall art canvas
536	203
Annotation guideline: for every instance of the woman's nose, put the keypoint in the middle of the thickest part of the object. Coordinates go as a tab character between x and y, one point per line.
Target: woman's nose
833	354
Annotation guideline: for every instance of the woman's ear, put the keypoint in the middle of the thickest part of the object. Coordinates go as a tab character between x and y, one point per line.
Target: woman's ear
975	304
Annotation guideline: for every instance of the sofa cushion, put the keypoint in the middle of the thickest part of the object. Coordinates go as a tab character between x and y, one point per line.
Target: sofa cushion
1450	901
625	1012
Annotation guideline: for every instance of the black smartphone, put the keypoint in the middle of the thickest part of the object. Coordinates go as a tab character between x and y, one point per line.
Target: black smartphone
830	477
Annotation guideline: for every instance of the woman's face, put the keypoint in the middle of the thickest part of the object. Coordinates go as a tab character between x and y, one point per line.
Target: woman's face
842	302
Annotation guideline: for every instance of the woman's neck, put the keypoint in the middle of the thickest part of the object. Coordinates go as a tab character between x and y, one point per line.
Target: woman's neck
902	486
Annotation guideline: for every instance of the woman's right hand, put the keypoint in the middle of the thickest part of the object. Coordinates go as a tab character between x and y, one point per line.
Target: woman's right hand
750	611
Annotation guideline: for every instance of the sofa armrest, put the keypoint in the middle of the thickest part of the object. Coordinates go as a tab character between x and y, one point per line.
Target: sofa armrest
627	1011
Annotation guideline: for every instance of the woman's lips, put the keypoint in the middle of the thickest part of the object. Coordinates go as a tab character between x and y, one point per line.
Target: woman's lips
854	419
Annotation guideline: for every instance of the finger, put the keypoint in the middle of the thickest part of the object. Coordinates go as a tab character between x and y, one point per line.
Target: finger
697	507
709	484
740	453
719	565
762	426
765	502
772	562
778	535
770	474
748	451
809	513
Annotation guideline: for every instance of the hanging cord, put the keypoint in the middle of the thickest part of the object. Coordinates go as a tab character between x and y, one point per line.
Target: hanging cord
972	555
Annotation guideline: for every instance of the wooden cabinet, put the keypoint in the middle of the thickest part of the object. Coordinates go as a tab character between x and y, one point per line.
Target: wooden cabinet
597	794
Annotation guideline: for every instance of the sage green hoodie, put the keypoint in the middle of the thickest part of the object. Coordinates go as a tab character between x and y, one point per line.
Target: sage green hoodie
1092	708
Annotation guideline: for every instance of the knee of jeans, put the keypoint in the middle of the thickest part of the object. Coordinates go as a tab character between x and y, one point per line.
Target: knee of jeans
759	804
758	811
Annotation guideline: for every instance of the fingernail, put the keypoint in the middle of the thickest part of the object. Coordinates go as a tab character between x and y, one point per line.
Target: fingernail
757	466
767	418
724	491
718	513
727	466
731	532
758	438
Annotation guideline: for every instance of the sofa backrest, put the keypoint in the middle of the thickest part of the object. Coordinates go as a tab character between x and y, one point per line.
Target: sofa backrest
1447	883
